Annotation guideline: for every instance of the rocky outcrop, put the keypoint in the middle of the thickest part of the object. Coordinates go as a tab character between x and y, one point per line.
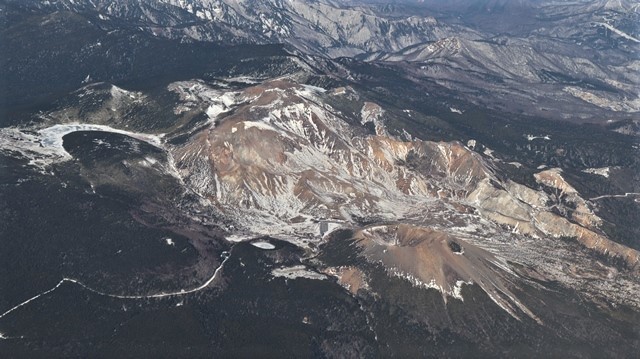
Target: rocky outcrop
530	212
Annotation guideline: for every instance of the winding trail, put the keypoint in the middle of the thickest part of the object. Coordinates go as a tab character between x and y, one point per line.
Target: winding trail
617	31
159	295
628	194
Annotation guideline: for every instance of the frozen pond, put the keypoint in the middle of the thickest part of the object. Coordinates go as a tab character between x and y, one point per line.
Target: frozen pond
263	245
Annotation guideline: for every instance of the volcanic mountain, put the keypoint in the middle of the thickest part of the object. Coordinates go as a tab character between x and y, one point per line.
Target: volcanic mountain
319	178
279	158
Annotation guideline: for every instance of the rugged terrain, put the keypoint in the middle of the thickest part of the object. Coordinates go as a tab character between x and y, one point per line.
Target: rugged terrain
316	178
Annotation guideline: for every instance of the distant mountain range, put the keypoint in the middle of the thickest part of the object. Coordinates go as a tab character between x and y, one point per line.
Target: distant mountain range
574	61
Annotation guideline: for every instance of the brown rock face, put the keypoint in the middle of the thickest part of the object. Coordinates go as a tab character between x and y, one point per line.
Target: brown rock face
283	154
527	212
280	152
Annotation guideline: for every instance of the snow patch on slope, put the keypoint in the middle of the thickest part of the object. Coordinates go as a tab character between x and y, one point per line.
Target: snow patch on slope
298	271
603	171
